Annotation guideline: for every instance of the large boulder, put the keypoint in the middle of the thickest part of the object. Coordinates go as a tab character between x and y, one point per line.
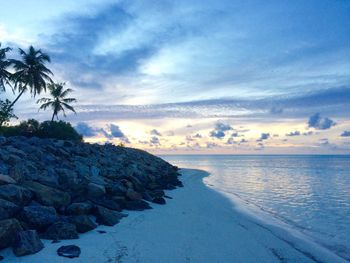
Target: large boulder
5	179
83	223
8	209
81	208
137	205
16	194
8	231
133	195
49	196
27	243
106	202
38	217
105	216
61	230
96	190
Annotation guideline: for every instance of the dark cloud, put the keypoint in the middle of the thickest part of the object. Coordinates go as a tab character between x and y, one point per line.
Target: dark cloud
345	134
235	134
308	133
295	133
263	137
319	123
219	130
115	131
198	136
154	141
230	141
155	132
86	130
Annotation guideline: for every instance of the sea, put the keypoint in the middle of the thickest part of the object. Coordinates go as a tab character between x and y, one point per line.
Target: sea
308	193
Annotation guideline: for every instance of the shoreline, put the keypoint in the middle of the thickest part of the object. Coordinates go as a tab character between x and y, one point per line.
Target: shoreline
198	225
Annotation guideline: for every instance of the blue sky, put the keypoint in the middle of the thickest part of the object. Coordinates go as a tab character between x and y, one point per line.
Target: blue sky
261	67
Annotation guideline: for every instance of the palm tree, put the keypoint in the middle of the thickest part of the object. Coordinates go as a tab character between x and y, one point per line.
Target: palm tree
4	65
30	72
59	101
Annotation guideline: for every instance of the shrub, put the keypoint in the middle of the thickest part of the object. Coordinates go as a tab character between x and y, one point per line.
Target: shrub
32	128
5	114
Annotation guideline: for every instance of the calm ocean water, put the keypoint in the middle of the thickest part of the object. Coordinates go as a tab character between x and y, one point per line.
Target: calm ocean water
309	193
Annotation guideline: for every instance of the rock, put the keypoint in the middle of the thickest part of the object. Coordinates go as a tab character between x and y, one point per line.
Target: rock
107	217
60	231
137	205
79	209
27	243
106	202
83	223
38	217
8	209
101	231
71	251
8	230
159	200
69	179
96	190
133	195
5	179
117	188
49	196
15	194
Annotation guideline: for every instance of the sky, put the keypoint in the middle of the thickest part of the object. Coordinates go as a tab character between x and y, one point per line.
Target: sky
195	77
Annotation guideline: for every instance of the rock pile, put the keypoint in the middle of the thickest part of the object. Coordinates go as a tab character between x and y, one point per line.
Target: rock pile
56	189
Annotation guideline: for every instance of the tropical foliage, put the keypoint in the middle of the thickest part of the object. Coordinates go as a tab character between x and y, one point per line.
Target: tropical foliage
47	129
58	101
31	74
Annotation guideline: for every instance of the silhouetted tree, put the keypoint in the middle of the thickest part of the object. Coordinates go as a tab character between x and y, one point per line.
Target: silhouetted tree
59	101
30	72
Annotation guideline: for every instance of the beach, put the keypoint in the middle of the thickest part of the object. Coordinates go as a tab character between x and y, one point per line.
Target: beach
197	225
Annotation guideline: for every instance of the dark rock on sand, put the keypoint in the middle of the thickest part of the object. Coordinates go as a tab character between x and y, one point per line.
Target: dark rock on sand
8	209
26	243
71	251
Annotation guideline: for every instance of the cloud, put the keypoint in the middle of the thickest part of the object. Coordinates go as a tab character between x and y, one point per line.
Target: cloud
211	145
219	130
86	130
197	135
319	123
154	141
230	141
345	134
295	133
308	133
155	132
115	131
263	136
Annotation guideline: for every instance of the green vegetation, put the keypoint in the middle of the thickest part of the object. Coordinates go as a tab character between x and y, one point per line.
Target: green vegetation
30	74
47	129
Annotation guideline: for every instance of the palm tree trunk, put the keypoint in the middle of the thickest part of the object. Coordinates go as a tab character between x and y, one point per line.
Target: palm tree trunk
13	102
53	116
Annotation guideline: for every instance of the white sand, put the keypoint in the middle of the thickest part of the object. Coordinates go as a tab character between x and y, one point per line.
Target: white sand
198	225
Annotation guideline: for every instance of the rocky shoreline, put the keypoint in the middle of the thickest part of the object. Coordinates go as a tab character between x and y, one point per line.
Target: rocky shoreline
54	189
